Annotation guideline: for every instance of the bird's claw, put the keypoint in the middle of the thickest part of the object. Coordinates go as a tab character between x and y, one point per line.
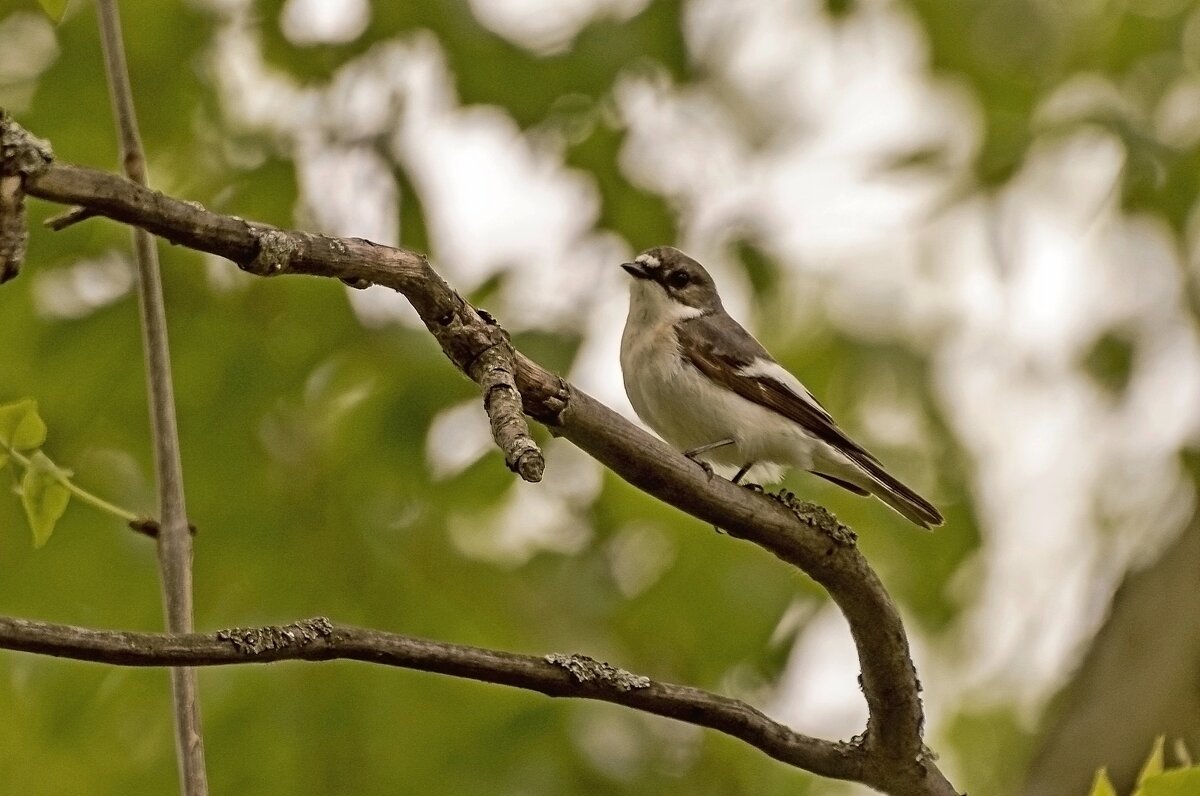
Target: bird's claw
705	466
753	487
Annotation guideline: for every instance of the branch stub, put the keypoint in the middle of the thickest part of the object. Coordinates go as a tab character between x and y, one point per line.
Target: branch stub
275	250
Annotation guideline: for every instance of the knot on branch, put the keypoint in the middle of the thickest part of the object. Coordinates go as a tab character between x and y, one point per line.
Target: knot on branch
597	674
148	526
275	251
550	404
257	640
816	517
21	153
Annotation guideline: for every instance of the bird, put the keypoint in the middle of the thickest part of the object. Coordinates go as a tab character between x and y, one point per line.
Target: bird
707	387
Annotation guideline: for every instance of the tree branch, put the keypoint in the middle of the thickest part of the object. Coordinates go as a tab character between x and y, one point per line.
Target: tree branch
13	233
800	534
495	370
174	541
20	155
554	675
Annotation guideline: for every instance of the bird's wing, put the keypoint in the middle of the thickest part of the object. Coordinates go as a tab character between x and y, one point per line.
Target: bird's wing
727	354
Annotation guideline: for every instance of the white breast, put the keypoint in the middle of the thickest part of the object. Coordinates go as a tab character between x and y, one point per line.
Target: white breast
687	410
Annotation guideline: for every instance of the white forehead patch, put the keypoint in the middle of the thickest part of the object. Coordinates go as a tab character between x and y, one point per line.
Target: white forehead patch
647	259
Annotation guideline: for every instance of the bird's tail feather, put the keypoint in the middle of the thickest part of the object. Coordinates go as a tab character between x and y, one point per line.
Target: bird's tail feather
899	497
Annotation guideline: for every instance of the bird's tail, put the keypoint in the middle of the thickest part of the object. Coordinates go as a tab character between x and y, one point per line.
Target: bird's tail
861	472
899	497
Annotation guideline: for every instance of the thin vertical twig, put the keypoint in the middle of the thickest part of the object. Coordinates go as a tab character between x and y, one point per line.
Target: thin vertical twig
174	538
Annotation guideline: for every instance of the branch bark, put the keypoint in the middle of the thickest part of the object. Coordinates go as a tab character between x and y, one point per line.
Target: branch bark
13	234
20	155
495	370
894	759
174	541
556	675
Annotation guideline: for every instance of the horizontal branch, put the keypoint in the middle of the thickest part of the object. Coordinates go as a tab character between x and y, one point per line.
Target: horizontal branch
555	675
803	535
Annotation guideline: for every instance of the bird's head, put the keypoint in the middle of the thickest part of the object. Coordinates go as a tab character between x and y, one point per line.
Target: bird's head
668	282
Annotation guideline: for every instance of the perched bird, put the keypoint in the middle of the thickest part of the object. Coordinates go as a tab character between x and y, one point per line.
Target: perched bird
707	387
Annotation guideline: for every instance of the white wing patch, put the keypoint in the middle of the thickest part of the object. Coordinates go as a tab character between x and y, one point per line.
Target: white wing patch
770	369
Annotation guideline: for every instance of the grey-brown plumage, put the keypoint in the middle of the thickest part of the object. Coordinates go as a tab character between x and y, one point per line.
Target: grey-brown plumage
698	378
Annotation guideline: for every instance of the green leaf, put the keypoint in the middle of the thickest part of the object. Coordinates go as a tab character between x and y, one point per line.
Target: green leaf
21	427
1177	782
1102	786
1154	763
54	8
44	497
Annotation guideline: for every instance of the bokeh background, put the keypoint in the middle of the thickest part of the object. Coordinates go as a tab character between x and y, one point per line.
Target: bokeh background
970	227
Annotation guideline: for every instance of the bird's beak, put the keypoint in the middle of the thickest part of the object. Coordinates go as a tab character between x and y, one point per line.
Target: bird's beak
636	270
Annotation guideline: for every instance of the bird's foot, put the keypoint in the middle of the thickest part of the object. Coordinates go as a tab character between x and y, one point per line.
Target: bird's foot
694	453
737	479
705	466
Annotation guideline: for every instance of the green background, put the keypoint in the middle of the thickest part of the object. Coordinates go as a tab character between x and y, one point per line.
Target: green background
308	503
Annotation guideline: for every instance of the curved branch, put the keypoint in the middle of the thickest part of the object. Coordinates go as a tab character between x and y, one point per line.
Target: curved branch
555	675
804	536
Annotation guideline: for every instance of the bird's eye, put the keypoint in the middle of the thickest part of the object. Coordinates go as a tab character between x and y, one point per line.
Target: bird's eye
678	279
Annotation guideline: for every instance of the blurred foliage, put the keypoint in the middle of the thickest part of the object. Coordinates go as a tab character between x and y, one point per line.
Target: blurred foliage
1110	362
1014	54
1155	779
304	434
